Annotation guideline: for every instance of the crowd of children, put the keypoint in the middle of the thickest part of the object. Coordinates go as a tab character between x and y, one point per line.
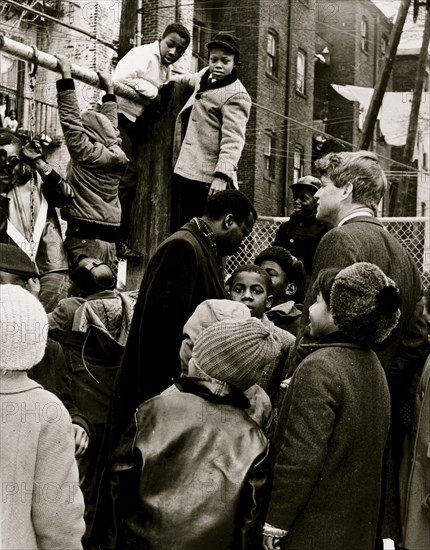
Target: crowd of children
195	414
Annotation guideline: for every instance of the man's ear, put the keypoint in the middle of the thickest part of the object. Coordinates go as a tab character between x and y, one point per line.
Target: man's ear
347	190
291	289
269	301
228	220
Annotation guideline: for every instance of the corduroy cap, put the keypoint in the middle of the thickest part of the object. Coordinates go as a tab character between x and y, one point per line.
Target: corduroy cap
23	329
307	182
224	40
235	351
365	303
14	260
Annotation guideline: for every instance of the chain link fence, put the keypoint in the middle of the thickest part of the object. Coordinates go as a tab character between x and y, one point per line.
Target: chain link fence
413	233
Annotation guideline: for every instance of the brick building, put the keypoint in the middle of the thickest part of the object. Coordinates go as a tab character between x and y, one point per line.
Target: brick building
352	42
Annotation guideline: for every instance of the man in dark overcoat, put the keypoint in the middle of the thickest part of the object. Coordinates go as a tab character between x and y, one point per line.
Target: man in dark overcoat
185	270
353	184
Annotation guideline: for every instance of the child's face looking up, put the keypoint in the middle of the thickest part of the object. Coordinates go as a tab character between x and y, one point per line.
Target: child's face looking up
250	289
172	47
221	63
321	318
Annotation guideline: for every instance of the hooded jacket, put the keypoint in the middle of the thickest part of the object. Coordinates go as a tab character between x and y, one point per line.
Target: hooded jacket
97	161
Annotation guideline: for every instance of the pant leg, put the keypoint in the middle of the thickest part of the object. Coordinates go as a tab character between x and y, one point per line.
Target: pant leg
128	182
189	199
90	248
53	288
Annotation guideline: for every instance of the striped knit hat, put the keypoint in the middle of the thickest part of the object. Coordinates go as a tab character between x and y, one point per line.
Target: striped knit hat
235	351
23	329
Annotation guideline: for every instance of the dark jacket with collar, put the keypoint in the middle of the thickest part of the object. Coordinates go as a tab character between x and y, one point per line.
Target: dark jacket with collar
183	272
301	236
189	473
329	443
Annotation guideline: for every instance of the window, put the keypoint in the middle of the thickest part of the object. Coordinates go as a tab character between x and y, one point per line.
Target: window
272	54
299	163
364	35
200	37
383	48
301	72
269	160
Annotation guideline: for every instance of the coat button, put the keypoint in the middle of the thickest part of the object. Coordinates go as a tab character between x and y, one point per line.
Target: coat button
421	394
291	240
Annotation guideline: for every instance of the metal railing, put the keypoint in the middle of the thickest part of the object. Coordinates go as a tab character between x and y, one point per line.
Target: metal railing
413	233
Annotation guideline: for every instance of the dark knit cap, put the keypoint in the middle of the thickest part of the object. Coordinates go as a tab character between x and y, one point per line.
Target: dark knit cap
225	40
235	351
14	260
365	303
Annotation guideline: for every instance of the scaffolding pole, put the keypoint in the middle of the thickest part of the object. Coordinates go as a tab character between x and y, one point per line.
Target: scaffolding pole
50	62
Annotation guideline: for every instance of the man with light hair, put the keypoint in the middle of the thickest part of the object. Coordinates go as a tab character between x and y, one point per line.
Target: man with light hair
353	184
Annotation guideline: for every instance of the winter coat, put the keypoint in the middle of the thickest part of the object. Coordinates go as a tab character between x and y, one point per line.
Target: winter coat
142	70
50	254
402	354
275	371
42	506
96	165
415	472
329	444
183	272
286	316
93	332
301	236
52	373
215	117
190	472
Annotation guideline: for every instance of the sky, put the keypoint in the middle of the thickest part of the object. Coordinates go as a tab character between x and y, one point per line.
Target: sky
412	33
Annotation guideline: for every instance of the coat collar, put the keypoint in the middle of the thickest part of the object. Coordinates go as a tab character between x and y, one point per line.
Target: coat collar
335	339
205	85
16	382
213	390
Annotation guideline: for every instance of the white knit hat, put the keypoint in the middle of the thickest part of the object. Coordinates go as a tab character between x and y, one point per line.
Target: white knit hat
23	329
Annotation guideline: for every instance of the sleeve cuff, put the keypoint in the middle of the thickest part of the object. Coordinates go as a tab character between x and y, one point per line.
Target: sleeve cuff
65	84
270	531
108	97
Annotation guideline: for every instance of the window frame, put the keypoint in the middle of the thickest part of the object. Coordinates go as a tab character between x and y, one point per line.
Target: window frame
364	34
273	57
298	168
269	157
301	54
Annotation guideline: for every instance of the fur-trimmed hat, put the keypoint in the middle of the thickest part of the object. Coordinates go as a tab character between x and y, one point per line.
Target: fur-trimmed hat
23	329
364	303
235	351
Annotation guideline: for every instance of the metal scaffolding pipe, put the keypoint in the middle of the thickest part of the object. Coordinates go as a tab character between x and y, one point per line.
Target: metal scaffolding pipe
50	62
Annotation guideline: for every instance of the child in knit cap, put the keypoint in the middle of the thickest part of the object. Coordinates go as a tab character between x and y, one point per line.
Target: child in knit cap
192	466
334	422
42	505
252	286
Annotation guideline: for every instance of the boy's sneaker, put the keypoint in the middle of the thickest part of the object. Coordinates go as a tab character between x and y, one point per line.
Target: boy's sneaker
125	252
